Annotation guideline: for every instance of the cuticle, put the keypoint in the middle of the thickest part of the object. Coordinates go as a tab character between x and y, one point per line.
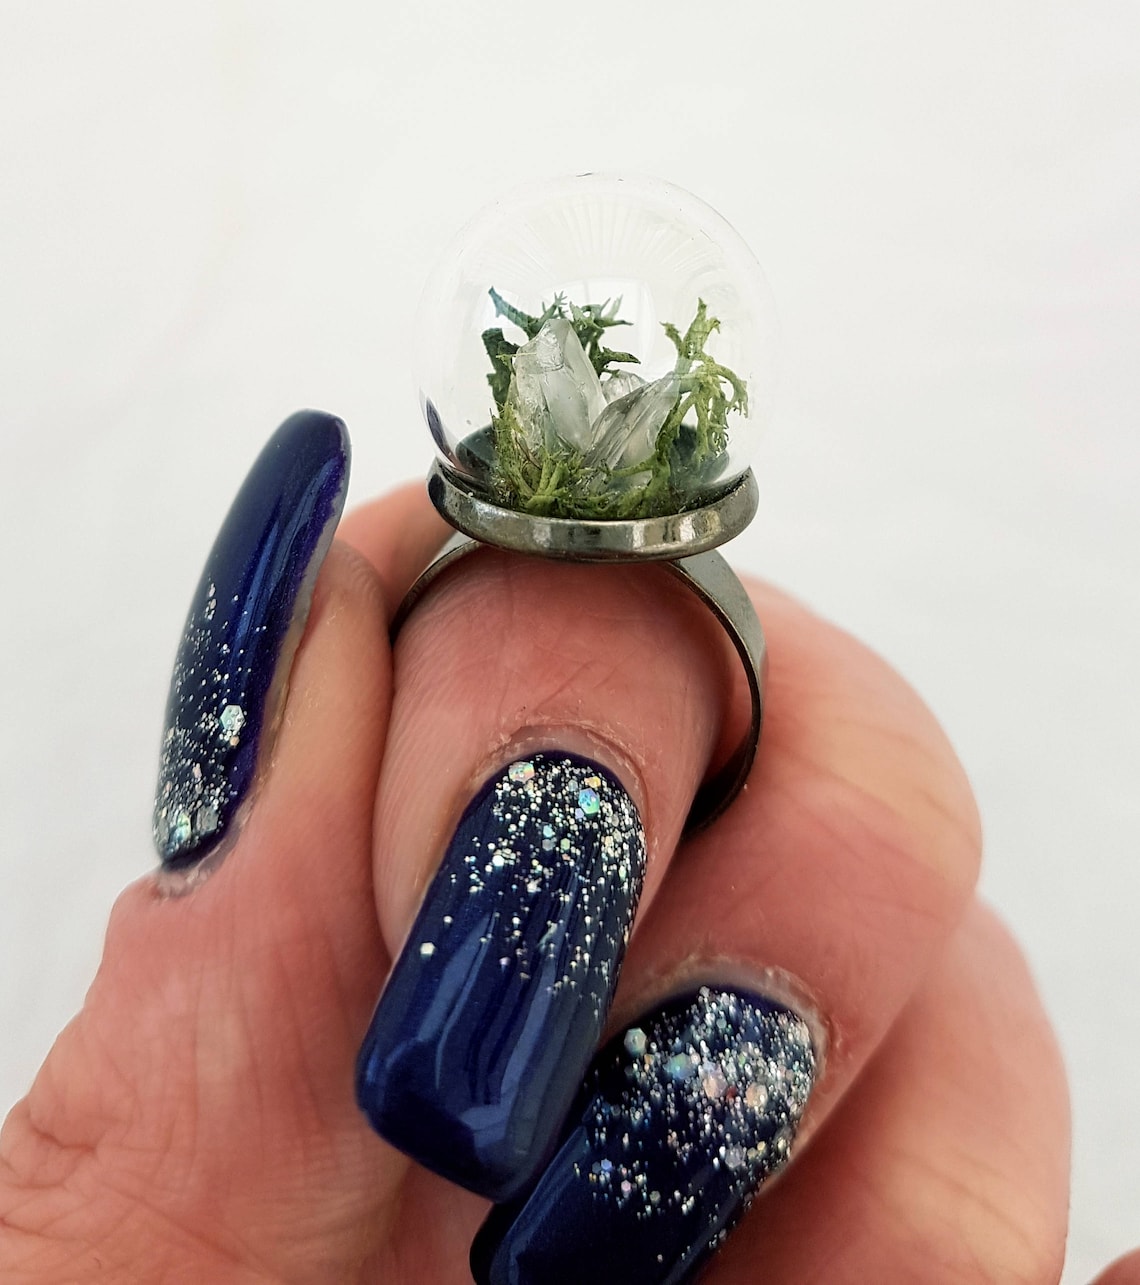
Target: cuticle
172	883
520	742
539	738
725	972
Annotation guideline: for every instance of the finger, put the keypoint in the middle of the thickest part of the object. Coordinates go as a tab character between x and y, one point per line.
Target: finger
846	863
549	722
1125	1271
680	1116
197	1116
949	1159
829	886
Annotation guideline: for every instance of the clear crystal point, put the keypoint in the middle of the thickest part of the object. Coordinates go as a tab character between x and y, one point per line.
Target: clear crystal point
555	392
620	383
626	431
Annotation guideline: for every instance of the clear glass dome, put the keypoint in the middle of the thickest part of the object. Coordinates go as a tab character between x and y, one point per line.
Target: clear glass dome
597	347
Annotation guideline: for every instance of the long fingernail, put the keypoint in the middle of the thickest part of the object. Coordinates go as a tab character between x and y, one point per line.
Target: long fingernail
681	1119
496	1003
245	621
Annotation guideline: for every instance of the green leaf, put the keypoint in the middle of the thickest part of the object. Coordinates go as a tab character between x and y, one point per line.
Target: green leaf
502	354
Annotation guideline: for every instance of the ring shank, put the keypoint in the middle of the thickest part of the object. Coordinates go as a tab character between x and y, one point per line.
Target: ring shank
709	576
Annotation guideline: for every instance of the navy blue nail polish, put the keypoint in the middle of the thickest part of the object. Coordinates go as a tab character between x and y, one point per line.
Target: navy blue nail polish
680	1120
244	625
496	1003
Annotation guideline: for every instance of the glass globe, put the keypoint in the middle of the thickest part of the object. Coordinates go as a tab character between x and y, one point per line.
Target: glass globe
598	348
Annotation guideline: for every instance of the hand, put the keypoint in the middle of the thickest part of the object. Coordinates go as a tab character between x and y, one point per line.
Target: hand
196	1121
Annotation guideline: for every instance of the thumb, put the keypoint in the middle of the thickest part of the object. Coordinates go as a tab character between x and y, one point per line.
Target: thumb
196	1119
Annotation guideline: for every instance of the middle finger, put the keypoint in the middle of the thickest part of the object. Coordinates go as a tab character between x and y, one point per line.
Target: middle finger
550	726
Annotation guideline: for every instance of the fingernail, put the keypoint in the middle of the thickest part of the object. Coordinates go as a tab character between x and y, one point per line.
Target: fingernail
681	1118
496	1003
245	621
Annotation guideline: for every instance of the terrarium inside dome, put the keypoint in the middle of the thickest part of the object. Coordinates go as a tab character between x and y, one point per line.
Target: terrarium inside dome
597	348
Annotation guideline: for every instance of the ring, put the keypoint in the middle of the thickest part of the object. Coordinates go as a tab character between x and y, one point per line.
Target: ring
481	524
552	443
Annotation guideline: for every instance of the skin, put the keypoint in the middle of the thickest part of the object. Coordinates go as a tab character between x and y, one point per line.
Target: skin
195	1121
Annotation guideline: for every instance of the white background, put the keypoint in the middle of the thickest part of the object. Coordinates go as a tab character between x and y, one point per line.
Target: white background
212	214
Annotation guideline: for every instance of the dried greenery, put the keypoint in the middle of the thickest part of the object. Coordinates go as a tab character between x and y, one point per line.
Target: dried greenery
558	480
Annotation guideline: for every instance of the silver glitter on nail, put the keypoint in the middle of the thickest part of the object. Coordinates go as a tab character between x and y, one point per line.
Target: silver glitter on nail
206	819
529	892
588	801
181	827
232	719
635	1042
193	766
716	1085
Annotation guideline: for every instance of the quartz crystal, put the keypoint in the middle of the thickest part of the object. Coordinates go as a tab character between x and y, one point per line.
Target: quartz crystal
554	391
559	401
625	433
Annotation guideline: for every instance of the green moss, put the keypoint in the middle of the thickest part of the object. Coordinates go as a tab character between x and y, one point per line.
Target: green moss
691	448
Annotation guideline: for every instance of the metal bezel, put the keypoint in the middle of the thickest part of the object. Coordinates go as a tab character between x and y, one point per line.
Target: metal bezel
677	535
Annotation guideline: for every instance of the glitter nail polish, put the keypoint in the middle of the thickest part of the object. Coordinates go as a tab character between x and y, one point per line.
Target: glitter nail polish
681	1118
244	624
497	1000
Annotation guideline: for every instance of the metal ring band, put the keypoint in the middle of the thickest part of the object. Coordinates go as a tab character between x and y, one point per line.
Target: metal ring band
713	581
